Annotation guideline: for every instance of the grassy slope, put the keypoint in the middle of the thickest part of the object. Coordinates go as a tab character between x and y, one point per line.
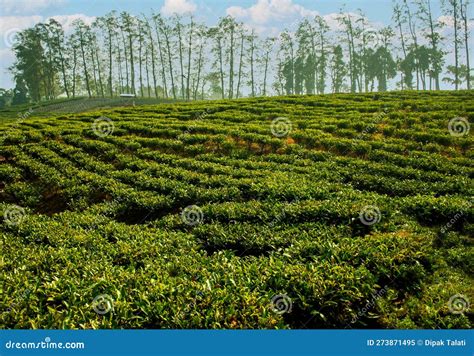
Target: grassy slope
280	215
61	106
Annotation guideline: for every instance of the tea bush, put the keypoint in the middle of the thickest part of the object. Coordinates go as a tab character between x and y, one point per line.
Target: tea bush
355	213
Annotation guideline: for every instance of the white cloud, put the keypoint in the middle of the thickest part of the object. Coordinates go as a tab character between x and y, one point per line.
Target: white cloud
9	23
446	21
179	7
25	7
66	20
264	11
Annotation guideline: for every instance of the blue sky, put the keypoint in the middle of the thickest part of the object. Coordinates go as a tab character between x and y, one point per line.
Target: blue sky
267	16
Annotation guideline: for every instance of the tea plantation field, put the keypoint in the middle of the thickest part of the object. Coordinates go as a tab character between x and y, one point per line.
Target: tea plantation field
334	211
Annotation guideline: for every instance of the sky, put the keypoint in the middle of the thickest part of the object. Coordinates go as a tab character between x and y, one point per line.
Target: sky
268	17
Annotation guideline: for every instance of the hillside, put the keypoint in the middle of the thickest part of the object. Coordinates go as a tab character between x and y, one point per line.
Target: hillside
330	211
76	105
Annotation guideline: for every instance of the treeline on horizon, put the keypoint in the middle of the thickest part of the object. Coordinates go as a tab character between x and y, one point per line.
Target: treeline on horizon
179	58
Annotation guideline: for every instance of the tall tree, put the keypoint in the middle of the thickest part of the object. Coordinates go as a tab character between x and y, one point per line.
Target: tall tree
267	50
287	48
399	20
80	35
338	69
159	27
253	48
57	33
322	30
413	31
191	34
202	35
28	67
217	34
108	23
241	61
347	23
463	12
166	30
452	9
178	28
152	51
129	25
433	35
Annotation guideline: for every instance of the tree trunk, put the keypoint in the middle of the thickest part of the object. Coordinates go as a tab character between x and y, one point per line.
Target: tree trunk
188	78
111	89
180	50
252	74
162	60
456	50
231	64
199	70
99	72
265	72
221	68
239	76
466	41
140	59
86	75
63	67
132	68
153	66
126	62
